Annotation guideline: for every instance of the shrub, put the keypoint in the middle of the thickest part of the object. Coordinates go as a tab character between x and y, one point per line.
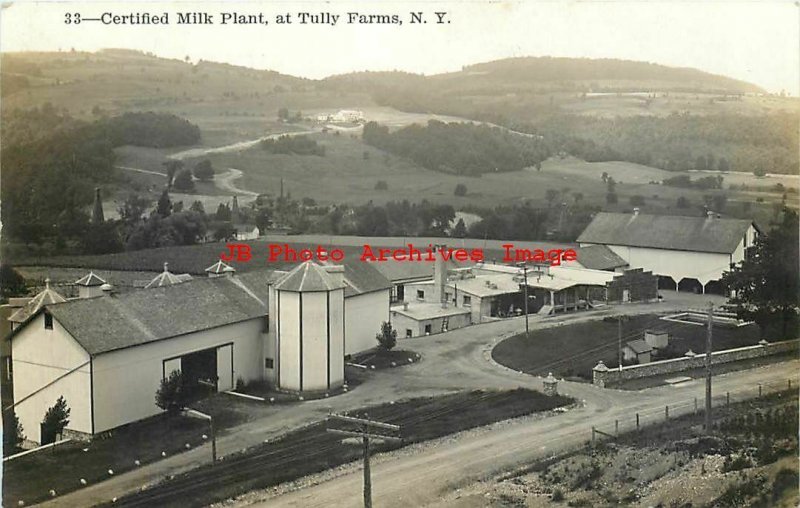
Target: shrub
13	434
55	420
460	190
171	396
557	496
203	170
387	338
381	185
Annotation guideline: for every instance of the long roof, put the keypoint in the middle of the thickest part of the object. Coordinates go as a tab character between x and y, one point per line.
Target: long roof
696	234
134	318
599	257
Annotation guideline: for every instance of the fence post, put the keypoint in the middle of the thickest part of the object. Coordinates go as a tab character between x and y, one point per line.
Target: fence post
637	421
616	427
727	398
592	436
666	412
759	390
695	405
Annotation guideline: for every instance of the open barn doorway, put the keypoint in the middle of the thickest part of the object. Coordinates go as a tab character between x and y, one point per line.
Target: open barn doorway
200	373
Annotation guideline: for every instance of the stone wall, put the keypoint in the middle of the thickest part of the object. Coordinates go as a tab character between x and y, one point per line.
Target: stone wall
603	376
642	286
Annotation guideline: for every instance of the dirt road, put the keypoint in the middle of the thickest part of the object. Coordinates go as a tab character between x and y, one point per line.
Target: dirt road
422	479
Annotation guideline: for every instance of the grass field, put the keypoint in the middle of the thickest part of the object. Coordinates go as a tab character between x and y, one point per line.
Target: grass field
573	350
312	449
30	478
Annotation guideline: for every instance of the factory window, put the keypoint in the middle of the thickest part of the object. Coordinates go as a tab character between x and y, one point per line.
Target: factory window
408	332
467	301
420	294
48	321
427	329
448	296
269	363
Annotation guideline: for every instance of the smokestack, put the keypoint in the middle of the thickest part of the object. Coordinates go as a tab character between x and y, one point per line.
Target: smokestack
439	276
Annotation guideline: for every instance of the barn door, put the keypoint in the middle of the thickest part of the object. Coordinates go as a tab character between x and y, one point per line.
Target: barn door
225	368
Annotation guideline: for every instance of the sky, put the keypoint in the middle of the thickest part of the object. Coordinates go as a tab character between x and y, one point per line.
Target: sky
755	41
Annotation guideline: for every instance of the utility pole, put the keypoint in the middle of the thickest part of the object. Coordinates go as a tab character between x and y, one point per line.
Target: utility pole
365	429
708	369
619	341
524	267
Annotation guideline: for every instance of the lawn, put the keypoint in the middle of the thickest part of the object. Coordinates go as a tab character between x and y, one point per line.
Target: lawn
573	350
312	449
31	477
378	359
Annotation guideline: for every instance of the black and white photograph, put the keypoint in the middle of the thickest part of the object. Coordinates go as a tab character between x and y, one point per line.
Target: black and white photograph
400	253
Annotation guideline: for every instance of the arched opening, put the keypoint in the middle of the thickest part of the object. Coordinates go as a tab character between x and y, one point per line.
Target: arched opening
690	286
666	282
716	287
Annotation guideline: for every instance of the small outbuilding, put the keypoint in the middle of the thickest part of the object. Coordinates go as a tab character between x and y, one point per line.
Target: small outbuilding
637	350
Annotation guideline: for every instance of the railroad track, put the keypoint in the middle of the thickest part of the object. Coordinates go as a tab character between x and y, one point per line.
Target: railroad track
289	457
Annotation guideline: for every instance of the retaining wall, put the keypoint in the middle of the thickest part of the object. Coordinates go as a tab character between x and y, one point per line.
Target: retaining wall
603	376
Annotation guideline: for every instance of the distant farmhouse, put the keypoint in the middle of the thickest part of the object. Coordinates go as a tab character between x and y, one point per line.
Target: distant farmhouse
343	116
107	352
687	253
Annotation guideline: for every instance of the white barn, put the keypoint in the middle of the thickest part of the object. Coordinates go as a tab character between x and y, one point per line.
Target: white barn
108	354
685	252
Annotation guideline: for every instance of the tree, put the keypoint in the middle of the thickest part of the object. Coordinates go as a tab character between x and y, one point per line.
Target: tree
183	180
55	420
381	185
460	190
611	184
172	166
164	206
198	207
223	213
11	282
604	176
171	395
723	165
13	433
203	170
577	196
387	338
460	229
682	202
223	231
550	195
611	198
283	114
765	285
759	172
132	209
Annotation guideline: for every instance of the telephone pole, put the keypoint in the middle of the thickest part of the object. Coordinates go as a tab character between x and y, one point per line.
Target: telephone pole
364	429
524	267
708	369
619	341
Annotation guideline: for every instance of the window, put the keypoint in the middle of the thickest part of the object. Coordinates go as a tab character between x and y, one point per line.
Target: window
265	325
269	363
408	333
420	294
427	329
467	301
448	296
48	321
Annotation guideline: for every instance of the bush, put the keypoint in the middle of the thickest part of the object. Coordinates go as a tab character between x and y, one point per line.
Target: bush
170	396
381	185
13	434
387	338
55	420
460	190
557	496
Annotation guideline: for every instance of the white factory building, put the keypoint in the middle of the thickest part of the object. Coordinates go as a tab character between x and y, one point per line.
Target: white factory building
107	353
687	253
